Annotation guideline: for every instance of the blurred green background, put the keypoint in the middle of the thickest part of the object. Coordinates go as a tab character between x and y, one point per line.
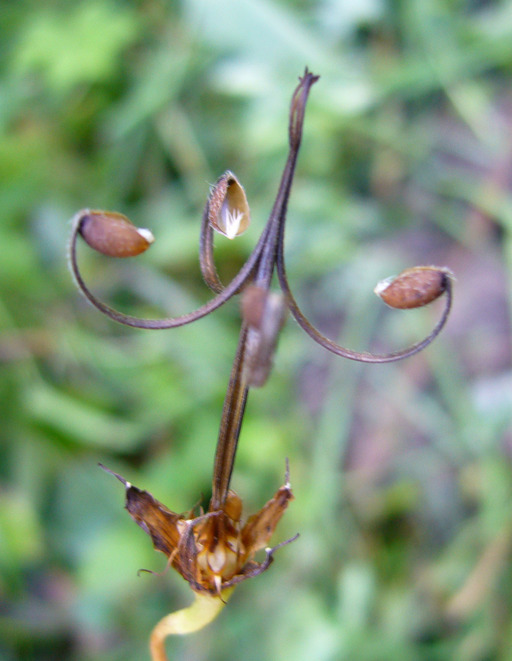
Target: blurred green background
402	472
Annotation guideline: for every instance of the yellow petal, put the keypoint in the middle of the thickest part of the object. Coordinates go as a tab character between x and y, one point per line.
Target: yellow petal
203	610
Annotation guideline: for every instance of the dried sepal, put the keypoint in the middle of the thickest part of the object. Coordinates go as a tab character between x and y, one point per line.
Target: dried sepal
260	526
112	234
151	515
265	313
228	210
414	287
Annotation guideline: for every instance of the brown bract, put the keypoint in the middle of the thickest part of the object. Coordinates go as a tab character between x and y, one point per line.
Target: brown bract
212	551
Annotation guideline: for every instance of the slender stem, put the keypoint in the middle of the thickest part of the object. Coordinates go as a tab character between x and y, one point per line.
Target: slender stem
264	265
277	216
208	269
230	425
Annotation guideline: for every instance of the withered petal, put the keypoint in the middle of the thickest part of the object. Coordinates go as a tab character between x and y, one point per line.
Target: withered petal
252	568
260	526
185	561
152	516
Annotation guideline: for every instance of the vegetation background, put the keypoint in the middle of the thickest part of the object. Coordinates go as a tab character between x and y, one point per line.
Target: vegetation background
402	473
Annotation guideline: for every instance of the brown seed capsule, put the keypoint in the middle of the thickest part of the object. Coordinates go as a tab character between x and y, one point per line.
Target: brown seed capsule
228	210
414	287
112	234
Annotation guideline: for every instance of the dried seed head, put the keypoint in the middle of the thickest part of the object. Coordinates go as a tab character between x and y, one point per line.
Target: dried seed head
414	287
212	551
228	210
112	234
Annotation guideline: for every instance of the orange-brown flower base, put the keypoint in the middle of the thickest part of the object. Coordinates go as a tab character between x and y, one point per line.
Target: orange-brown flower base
212	551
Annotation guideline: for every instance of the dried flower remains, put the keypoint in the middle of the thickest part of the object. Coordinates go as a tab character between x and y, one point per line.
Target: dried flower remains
215	550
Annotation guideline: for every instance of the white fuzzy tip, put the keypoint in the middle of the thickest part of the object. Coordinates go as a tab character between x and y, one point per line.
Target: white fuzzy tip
232	221
381	286
146	234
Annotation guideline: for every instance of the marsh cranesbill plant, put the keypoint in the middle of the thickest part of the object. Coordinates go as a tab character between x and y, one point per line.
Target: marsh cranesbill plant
214	550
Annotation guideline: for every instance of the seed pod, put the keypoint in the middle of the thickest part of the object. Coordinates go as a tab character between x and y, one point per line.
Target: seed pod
414	287
112	234
228	210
